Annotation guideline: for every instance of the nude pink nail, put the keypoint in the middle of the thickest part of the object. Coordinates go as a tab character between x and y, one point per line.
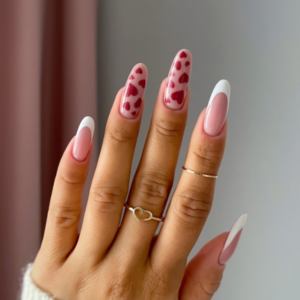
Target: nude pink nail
216	112
232	239
83	139
178	79
134	92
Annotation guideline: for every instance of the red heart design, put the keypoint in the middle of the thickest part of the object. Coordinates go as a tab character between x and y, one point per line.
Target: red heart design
131	90
131	77
138	103
187	63
178	96
139	71
142	83
182	54
167	101
184	78
170	84
133	113
178	65
126	105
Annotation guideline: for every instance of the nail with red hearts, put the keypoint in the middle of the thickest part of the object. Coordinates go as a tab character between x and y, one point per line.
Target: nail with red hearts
134	91
178	80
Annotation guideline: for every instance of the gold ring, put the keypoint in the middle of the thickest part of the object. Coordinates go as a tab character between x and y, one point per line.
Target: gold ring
150	215
201	174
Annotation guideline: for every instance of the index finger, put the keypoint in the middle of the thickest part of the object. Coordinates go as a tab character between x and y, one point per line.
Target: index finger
192	200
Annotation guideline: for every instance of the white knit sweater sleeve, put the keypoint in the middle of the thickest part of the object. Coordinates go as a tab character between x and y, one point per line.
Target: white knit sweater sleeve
29	290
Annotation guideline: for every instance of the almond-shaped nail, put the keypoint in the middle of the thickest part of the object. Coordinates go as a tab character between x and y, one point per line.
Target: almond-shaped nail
232	239
83	139
216	112
134	92
178	80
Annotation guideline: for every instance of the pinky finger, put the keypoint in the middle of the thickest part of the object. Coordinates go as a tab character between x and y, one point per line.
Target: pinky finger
204	272
61	231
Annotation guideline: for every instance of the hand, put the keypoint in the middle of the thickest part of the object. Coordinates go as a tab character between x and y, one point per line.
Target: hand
112	261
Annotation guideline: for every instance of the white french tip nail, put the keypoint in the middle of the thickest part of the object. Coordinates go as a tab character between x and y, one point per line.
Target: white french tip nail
87	122
223	86
236	228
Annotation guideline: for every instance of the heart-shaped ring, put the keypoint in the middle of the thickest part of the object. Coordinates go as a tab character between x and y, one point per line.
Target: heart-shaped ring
144	212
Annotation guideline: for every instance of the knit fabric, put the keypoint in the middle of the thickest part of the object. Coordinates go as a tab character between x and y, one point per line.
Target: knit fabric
29	290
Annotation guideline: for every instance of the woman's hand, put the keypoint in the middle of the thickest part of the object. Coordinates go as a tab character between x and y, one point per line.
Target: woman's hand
112	261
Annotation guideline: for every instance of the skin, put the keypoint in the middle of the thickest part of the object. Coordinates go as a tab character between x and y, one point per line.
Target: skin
127	261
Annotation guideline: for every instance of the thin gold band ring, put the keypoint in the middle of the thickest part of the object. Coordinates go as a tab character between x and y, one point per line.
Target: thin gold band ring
150	215
201	174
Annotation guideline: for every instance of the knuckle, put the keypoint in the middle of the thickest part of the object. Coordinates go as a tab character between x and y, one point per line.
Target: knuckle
155	188
107	199
119	135
72	177
208	155
210	288
121	287
193	206
169	129
157	285
66	216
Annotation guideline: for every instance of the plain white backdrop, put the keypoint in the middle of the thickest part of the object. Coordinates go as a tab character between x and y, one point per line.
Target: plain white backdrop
256	46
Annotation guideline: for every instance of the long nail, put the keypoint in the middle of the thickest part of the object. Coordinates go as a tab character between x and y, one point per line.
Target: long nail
178	79
216	112
83	139
232	239
134	92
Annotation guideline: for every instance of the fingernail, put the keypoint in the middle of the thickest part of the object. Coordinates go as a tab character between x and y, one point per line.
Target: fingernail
83	139
232	239
178	80
217	108
134	91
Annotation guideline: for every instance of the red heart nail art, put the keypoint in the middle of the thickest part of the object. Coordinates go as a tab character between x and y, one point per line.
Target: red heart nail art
139	71
131	90
132	98
138	103
182	54
178	65
126	105
184	78
142	83
178	79
170	84
178	96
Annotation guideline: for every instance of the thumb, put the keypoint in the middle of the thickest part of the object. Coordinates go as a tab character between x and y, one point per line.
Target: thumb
204	272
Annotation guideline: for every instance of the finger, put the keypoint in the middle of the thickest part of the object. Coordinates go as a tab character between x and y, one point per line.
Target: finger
110	183
192	200
154	177
65	205
204	273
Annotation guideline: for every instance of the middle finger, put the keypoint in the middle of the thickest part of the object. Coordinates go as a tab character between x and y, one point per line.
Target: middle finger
154	177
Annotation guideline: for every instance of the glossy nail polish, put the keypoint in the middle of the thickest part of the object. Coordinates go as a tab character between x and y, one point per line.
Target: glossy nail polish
232	239
178	80
216	112
83	139
134	91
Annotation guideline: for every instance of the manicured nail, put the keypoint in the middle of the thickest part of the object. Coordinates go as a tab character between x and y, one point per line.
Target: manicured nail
178	80
217	108
134	91
83	139
232	239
